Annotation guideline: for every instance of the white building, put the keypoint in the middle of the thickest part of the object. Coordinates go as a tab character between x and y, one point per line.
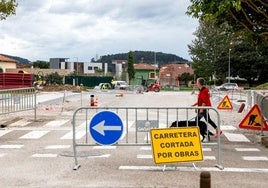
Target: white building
79	67
90	68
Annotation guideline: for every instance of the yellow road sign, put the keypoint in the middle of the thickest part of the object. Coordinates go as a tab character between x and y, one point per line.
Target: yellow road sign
173	145
225	104
253	120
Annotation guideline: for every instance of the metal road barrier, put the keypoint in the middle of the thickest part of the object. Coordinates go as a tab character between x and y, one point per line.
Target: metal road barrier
16	100
261	99
129	126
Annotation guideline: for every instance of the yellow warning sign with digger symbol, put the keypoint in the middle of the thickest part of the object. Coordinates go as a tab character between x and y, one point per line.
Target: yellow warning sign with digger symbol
225	104
253	120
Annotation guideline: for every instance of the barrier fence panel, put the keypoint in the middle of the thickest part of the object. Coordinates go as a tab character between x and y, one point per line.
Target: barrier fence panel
136	125
261	99
16	100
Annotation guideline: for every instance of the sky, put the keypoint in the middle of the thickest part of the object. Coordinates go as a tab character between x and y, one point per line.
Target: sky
85	29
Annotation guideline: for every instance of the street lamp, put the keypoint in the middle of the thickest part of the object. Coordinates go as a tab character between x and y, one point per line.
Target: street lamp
229	65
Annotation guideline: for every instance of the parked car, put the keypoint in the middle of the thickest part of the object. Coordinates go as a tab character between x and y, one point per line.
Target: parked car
120	85
227	86
103	86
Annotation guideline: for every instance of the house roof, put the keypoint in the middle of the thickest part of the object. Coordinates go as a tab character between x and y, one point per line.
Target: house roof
177	69
143	66
6	59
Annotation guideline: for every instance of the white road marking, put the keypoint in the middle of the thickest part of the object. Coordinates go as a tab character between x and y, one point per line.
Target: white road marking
58	147
147	148
144	156
130	123
206	149
148	137
20	123
101	156
46	155
255	158
247	149
56	123
2	154
83	125
104	147
228	128
162	125
236	137
11	146
69	135
3	132
209	158
177	168
34	135
139	156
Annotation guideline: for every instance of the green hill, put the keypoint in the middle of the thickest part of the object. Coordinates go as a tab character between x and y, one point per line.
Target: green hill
145	57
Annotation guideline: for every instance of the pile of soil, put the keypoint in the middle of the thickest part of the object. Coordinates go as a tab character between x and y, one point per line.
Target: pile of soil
61	88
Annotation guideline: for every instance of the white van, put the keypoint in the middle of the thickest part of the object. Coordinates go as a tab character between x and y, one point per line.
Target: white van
120	85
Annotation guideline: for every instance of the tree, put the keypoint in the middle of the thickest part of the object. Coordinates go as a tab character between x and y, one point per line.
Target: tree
130	67
209	50
213	47
7	7
54	79
247	62
248	16
41	64
186	77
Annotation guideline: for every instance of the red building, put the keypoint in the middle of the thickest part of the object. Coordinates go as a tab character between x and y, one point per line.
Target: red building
169	74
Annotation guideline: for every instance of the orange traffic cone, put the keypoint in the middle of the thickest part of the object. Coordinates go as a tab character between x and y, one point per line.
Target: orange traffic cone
120	94
96	102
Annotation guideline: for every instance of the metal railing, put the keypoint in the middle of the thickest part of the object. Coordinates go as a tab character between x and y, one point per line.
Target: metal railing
137	122
17	100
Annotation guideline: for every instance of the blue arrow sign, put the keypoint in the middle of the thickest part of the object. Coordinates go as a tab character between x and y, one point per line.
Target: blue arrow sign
106	127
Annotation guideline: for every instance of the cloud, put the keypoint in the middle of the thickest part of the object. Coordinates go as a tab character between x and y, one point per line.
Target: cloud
71	28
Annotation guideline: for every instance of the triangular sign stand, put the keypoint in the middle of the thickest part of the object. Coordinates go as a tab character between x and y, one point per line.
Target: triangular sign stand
225	104
253	120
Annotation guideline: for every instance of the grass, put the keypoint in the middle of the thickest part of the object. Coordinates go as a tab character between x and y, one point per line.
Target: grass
262	86
181	88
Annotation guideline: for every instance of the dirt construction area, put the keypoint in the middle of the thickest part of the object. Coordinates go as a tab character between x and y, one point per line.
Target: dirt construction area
36	147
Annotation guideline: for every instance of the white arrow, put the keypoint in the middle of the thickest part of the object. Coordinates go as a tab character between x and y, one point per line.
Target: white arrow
100	128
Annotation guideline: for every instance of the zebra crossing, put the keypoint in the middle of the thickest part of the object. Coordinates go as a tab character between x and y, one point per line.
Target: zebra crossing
52	151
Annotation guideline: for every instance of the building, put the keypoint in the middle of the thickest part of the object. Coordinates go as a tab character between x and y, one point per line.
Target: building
169	74
120	67
7	63
58	63
77	67
145	72
93	67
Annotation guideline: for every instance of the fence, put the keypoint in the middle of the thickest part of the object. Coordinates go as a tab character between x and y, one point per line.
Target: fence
16	100
16	80
88	81
136	125
261	99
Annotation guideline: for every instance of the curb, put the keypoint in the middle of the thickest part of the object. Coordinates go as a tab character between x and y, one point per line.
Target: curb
264	141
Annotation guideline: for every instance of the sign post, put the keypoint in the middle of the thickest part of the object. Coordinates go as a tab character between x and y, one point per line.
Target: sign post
172	145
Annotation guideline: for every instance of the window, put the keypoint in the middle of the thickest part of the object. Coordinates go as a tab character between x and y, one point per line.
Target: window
152	75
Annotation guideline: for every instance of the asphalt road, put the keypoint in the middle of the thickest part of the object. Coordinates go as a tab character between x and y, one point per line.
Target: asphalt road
38	152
